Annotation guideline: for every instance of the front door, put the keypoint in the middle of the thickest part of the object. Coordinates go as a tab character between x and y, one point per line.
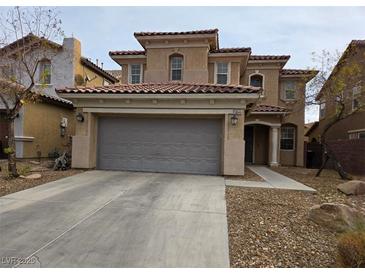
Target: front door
249	144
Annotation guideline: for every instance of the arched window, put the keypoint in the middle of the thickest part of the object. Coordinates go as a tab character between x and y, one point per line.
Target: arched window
176	67
287	137
257	80
45	72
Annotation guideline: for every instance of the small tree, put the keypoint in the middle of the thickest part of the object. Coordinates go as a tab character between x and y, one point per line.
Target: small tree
338	75
25	40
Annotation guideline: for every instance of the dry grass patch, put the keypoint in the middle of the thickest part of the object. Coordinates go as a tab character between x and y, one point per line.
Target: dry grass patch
10	185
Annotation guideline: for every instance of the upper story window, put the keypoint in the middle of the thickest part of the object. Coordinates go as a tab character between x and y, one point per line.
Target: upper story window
356	134
135	73
222	73
45	72
287	137
176	67
322	109
289	90
257	80
356	92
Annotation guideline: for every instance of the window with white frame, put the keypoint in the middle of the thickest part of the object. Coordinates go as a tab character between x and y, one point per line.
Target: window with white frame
289	90
356	134
257	80
322	109
45	72
176	67
222	70
356	92
287	137
135	73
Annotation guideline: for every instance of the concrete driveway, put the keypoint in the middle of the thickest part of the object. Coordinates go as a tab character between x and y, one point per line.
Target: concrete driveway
117	219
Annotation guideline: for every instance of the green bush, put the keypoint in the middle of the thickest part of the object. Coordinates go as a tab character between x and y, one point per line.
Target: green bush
24	170
351	248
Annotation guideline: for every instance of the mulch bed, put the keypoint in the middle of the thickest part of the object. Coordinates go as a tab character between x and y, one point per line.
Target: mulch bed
270	227
11	185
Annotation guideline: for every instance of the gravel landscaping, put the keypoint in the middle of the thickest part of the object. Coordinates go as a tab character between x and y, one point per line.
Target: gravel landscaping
270	227
10	185
249	176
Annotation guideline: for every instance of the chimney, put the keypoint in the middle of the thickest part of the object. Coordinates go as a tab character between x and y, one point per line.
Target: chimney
102	64
97	62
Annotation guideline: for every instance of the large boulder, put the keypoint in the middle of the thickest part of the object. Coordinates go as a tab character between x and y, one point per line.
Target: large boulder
336	217
354	187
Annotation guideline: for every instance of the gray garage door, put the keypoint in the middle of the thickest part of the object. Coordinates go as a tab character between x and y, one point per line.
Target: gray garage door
159	145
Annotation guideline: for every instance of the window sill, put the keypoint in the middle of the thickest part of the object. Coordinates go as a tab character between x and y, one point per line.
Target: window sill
43	85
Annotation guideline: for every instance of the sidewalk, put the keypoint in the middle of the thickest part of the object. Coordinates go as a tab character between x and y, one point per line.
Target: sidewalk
272	180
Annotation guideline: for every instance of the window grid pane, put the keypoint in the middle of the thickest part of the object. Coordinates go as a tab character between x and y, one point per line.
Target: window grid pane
176	75
176	63
135	74
222	68
256	81
287	138
222	79
289	94
45	72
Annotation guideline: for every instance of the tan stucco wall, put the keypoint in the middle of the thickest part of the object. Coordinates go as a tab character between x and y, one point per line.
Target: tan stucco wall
195	64
234	146
42	121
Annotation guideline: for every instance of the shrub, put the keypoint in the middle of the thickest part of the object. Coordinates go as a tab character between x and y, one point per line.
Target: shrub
351	248
24	170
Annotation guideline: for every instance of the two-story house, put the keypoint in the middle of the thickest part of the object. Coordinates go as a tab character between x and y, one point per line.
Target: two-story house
186	105
353	96
44	127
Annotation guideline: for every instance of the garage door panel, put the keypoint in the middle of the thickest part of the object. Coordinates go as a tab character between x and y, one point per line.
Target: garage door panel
159	145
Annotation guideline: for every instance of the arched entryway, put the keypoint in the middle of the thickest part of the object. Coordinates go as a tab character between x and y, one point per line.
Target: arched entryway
261	143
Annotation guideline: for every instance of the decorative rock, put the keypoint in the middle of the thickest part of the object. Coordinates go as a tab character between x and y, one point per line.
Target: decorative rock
354	187
337	217
34	176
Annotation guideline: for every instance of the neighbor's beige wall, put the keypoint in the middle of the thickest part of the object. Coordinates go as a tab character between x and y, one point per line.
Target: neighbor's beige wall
42	121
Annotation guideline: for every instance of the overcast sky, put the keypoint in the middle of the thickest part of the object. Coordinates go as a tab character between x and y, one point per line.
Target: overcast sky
296	31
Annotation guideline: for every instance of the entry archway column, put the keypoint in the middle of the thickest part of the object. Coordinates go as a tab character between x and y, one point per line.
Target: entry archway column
274	145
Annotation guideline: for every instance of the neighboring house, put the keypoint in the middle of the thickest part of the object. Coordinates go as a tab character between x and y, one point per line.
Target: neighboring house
308	130
45	126
352	127
186	105
117	73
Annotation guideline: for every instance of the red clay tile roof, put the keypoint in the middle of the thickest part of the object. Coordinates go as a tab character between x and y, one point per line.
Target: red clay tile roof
207	31
98	69
127	52
269	57
162	88
268	108
298	72
230	50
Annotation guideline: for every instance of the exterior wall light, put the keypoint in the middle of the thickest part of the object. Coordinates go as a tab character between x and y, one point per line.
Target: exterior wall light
234	118
79	117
